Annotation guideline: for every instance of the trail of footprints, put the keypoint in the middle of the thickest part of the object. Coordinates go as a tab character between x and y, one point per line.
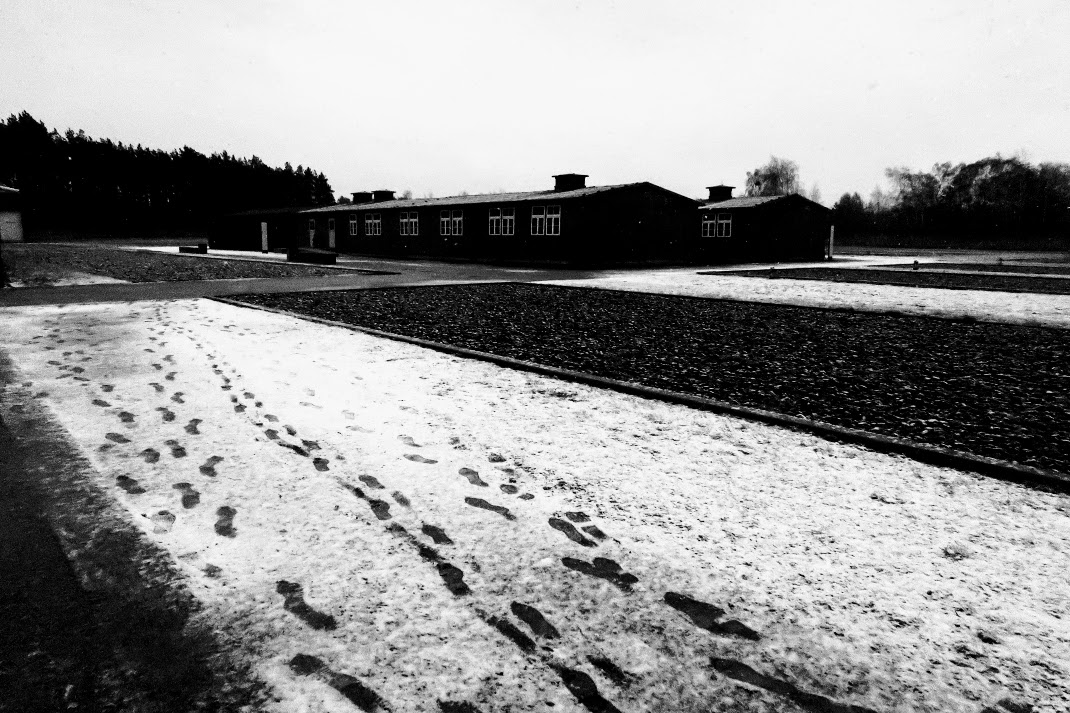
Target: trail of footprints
582	686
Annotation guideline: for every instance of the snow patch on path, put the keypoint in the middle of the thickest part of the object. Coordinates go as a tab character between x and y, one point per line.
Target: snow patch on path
1010	307
337	557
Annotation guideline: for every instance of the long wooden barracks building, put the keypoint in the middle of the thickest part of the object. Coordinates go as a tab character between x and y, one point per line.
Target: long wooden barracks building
573	223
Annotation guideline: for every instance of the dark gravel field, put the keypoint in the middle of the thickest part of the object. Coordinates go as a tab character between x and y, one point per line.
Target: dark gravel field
995	390
38	264
1063	269
909	278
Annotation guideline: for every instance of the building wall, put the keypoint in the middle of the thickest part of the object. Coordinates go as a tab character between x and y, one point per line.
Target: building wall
781	231
632	223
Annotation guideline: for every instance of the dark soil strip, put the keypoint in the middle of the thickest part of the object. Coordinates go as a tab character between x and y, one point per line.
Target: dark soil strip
355	692
910	278
995	390
295	604
706	616
456	707
133	644
146	266
740	671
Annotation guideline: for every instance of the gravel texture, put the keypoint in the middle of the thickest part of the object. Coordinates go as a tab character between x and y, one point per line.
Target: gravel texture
909	278
38	264
990	389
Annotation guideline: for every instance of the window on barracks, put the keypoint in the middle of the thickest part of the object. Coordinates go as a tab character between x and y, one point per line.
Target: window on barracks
373	224
495	218
709	226
353	224
330	224
724	225
458	222
410	223
553	220
508	221
444	223
538	220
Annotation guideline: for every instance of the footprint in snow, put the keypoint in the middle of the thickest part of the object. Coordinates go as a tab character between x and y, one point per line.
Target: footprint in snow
170	359
107	388
239	408
408	441
177	397
415	458
171	375
400	499
177	450
291	430
380	508
225	524
310	445
191	427
157	367
484	505
496	458
270	417
209	466
370	481
355	692
167	414
602	568
158	387
509	489
321	464
129	485
526	496
190	497
249	395
126	417
473	477
705	616
272	434
612	671
593	531
117	437
535	620
151	455
162	522
577	517
437	534
294	602
101	402
570	532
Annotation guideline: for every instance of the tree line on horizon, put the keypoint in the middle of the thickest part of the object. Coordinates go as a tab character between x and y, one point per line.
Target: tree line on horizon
992	201
71	182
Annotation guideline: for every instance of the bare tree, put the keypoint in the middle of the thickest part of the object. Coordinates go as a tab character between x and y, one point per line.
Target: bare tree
779	177
815	194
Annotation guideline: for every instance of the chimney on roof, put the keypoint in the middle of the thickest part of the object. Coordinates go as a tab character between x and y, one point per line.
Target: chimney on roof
382	195
570	181
720	193
362	197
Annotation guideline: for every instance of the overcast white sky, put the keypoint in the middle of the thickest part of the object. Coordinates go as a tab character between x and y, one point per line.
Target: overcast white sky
443	97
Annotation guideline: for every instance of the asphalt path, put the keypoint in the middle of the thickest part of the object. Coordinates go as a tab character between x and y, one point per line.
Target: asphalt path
407	273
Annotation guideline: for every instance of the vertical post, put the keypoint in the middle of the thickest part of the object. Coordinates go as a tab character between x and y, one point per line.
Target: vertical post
832	240
263	238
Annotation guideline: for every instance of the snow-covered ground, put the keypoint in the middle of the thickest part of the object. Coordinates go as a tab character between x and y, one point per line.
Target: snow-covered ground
76	278
305	478
1013	307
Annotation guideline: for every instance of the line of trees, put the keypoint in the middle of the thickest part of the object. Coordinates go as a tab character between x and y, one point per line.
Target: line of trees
992	201
73	183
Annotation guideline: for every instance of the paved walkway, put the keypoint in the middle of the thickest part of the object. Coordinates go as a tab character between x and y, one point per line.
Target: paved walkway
406	274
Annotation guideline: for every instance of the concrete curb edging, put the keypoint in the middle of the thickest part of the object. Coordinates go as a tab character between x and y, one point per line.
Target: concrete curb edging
934	455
